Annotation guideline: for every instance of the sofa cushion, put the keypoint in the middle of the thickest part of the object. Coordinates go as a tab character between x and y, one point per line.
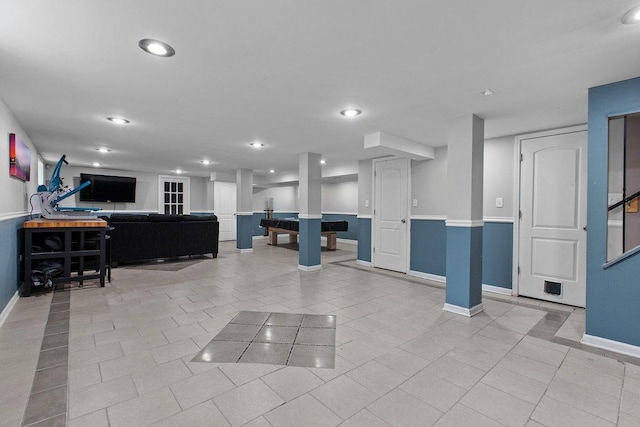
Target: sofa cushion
164	218
199	218
129	218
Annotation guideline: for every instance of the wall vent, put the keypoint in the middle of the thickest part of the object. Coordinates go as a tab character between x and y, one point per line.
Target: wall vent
553	288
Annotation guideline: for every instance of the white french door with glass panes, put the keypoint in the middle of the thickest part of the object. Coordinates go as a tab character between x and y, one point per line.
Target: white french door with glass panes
173	195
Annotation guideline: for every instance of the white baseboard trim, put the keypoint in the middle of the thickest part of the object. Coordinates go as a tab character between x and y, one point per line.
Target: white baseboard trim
469	312
309	216
340	213
363	263
309	267
8	308
497	290
429	217
432	277
499	219
245	251
465	223
443	279
607	344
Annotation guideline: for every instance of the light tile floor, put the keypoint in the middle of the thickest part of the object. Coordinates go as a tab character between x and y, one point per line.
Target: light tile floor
400	359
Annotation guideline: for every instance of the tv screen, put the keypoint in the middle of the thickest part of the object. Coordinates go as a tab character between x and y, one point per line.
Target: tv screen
106	188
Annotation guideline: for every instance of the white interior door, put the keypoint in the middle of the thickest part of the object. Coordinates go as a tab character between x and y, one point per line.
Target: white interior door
390	215
224	206
553	198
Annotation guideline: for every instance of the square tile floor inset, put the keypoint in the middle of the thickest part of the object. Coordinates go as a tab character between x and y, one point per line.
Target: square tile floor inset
304	340
277	334
250	318
236	332
271	353
284	319
222	352
318	321
316	336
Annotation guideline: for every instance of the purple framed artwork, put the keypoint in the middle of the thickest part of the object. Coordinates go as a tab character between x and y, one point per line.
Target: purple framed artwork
19	158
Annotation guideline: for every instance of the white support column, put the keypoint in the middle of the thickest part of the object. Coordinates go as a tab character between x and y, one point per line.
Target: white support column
464	215
244	214
310	211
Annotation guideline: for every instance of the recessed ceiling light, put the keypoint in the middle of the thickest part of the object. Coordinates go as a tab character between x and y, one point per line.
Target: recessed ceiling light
103	150
257	144
96	164
118	120
156	47
632	16
178	171
486	92
271	170
323	162
350	112
205	162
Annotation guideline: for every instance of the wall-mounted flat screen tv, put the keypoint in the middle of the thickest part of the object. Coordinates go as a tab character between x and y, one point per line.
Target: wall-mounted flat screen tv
107	188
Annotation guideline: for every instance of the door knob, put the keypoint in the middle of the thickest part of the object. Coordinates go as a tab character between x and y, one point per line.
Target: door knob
403	221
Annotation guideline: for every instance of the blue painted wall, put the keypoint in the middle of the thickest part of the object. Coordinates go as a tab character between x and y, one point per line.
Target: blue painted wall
429	248
9	261
309	242
256	230
613	294
364	239
464	266
497	254
243	224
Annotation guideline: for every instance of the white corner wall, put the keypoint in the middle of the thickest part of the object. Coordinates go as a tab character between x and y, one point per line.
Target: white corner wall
15	193
428	181
429	185
499	170
340	197
285	198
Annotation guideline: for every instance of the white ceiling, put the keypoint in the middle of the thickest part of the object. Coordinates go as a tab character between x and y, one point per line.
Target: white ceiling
280	71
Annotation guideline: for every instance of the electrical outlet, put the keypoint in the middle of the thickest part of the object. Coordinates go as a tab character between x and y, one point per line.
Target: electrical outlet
614	198
415	203
499	202
366	203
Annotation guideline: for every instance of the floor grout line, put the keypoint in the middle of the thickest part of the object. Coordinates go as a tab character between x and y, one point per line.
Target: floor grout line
33	401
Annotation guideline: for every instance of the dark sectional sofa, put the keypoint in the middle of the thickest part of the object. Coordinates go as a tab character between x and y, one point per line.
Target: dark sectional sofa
144	237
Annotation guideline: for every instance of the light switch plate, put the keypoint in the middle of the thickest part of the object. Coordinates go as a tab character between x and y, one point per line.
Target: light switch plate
415	203
499	202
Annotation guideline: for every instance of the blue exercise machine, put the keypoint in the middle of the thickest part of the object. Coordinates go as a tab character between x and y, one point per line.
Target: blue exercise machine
48	197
